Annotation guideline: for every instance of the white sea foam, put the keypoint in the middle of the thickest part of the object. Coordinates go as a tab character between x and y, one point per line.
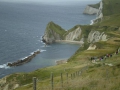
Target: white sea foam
41	41
46	46
4	66
92	21
42	50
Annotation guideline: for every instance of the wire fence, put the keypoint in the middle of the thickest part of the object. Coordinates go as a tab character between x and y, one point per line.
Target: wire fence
73	81
57	83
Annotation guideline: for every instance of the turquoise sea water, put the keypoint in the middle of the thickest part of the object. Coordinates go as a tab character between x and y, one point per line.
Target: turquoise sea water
21	28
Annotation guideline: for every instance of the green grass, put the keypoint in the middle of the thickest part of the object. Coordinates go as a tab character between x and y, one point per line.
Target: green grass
52	27
95	5
111	7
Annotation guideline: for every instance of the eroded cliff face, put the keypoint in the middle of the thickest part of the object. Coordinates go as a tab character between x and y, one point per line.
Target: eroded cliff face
50	36
99	14
74	34
96	36
52	33
90	10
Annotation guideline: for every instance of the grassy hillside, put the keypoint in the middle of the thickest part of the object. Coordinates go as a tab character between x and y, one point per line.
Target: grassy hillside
111	20
95	5
111	7
55	28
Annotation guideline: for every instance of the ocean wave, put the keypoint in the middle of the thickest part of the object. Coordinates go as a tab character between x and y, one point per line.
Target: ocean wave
43	50
4	66
45	46
92	21
30	54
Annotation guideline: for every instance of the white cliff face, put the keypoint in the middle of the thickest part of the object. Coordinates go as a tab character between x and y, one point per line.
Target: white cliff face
90	10
74	34
92	47
50	36
96	36
100	14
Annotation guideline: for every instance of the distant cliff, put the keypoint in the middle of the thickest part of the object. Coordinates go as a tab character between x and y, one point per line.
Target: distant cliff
90	10
95	9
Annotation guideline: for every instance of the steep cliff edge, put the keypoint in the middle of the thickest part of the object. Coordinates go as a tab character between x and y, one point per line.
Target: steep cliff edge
53	32
96	36
90	10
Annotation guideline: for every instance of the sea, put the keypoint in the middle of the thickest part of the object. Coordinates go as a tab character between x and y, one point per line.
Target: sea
23	24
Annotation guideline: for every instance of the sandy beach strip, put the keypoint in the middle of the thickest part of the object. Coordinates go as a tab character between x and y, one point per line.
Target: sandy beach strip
69	41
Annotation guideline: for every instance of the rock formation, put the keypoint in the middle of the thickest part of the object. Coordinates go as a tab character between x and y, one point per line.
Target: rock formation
74	34
99	14
96	36
53	32
25	60
90	10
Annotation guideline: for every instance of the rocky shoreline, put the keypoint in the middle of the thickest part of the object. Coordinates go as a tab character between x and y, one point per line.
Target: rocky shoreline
25	60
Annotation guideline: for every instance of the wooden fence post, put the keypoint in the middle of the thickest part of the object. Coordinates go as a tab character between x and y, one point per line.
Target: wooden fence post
34	83
67	77
71	76
61	80
52	84
74	75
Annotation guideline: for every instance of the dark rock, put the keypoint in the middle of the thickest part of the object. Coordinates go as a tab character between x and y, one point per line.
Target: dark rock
25	60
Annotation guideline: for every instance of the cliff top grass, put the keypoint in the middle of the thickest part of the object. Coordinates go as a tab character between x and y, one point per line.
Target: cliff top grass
95	5
111	7
52	26
111	20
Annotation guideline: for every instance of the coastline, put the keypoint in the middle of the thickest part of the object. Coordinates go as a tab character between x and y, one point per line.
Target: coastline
69	41
58	62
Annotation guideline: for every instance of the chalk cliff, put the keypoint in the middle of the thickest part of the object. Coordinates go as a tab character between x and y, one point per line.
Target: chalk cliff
99	14
53	32
73	35
96	36
90	10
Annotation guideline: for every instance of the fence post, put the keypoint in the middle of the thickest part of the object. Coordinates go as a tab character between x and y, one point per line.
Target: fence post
61	80
52	85
74	75
79	73
34	83
67	77
71	76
